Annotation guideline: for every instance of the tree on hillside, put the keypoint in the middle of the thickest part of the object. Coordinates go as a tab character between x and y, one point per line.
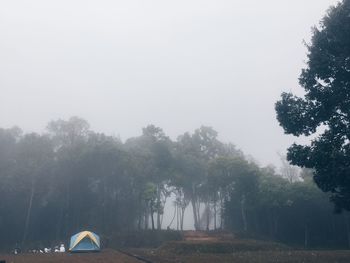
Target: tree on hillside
8	186
70	139
153	152
193	153
72	178
326	104
34	159
158	145
236	179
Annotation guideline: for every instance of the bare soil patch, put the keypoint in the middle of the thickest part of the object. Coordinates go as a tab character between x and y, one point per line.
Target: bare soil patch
214	245
209	248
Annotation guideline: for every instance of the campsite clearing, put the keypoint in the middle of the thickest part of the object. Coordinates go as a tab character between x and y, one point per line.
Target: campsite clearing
196	247
106	256
327	256
112	256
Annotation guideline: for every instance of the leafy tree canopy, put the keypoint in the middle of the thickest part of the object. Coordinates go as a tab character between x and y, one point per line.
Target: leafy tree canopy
326	103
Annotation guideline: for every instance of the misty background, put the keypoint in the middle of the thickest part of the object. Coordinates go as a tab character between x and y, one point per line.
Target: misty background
140	116
177	64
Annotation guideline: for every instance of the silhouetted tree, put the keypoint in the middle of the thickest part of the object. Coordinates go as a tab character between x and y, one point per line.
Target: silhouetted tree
326	104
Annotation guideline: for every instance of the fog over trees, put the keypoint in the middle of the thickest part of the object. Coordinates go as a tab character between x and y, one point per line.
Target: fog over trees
71	178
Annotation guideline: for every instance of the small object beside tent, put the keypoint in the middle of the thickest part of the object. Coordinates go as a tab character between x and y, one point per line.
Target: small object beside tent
62	248
85	241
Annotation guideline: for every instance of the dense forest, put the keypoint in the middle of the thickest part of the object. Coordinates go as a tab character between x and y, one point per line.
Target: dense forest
71	178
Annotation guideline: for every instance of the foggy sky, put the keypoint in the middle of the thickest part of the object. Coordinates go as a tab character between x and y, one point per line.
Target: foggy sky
177	64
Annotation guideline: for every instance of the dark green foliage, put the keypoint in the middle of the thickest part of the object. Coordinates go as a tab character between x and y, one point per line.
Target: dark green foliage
70	179
295	213
326	104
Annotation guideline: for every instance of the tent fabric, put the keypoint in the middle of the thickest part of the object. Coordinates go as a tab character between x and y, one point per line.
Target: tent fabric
84	241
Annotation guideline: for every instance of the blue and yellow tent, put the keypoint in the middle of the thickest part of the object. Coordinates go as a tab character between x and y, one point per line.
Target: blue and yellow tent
84	241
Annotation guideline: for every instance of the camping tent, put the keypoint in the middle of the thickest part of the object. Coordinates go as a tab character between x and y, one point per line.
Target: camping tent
84	242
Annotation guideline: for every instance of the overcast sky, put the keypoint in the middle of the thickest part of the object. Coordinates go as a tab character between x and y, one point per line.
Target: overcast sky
177	64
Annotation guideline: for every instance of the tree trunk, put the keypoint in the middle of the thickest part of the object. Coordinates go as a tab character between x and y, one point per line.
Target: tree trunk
306	235
346	216
198	206
162	215
139	222
152	212
146	218
66	218
172	220
275	225
182	218
29	211
208	215
159	204
243	213
215	215
177	217
194	209
104	206
221	212
59	223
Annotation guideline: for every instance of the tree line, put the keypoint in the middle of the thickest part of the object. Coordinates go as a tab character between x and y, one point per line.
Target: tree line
71	178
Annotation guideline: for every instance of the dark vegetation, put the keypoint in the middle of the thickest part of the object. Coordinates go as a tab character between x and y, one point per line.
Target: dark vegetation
325	107
71	178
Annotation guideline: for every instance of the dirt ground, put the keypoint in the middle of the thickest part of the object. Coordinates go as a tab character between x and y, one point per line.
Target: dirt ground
196	247
106	256
112	256
252	257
